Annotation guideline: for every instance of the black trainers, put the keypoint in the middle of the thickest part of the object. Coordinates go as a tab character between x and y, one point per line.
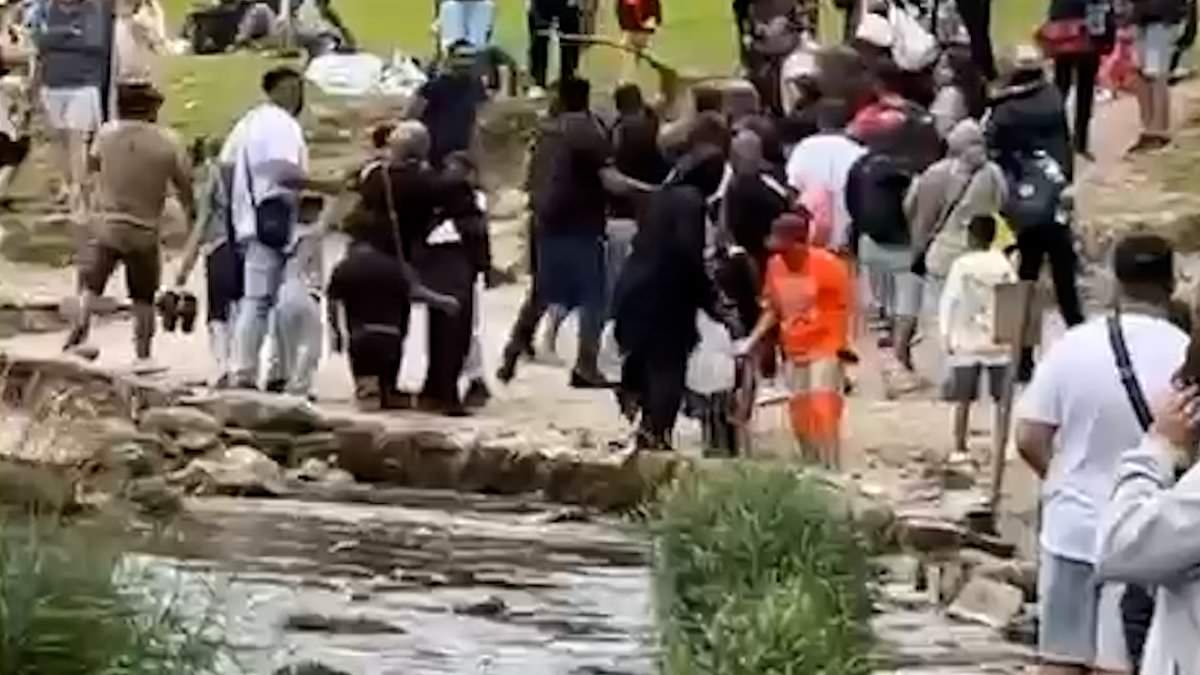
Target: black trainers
188	308
168	310
586	380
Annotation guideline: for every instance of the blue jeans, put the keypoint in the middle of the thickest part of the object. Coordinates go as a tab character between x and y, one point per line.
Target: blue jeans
571	273
264	276
469	20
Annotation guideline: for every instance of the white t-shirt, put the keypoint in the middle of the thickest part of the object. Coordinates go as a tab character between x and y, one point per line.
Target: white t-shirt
967	311
270	142
1077	389
825	159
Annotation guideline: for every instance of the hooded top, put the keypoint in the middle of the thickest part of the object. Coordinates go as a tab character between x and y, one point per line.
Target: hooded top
665	282
1028	116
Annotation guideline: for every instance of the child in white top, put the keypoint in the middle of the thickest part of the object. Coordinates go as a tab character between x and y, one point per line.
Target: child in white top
967	316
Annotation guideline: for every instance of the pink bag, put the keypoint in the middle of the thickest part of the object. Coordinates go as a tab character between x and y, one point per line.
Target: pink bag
1118	70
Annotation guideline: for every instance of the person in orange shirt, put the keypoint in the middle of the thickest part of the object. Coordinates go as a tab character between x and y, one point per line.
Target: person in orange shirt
808	294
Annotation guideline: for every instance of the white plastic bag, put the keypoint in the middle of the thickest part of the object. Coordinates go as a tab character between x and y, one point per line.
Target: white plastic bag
712	367
913	48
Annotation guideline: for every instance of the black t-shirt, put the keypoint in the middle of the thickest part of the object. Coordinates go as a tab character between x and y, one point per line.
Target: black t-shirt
576	201
637	155
452	104
371	287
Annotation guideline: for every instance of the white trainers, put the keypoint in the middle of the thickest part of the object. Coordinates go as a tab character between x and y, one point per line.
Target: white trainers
536	93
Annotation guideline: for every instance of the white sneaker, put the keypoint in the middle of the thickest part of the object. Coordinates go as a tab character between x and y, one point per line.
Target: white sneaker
536	93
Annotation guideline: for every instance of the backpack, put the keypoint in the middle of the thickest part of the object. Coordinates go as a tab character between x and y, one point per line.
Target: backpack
915	143
875	192
1036	185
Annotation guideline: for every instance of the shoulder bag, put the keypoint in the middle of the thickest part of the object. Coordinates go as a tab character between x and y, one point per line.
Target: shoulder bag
1137	605
919	266
274	217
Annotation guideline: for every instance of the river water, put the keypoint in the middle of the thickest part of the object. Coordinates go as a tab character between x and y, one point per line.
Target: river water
437	585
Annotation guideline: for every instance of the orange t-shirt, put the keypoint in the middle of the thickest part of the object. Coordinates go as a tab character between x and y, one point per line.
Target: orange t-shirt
812	302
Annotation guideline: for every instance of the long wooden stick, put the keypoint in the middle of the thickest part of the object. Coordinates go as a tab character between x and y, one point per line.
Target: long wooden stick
999	452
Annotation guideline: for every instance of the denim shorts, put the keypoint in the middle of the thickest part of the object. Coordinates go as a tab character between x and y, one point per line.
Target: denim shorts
1079	619
889	271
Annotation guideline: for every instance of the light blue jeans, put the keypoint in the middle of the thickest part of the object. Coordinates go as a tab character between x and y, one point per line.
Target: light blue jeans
469	20
298	333
264	276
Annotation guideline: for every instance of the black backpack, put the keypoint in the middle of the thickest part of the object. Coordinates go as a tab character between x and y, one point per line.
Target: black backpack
1036	183
915	144
875	192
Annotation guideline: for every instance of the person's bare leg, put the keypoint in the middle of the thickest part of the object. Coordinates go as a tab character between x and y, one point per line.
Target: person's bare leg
143	329
905	331
1161	91
962	425
77	168
1145	101
61	169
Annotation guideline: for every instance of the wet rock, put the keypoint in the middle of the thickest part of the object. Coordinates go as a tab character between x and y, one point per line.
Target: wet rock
567	515
314	470
135	460
178	420
958	473
491	607
1019	573
238	471
951	578
309	668
341	625
928	535
266	412
320	444
154	496
987	602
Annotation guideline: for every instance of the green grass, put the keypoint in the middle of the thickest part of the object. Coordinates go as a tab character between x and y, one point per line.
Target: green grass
755	573
205	94
71	606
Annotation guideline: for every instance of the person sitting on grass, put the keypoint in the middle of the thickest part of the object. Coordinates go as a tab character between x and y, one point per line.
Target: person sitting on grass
967	316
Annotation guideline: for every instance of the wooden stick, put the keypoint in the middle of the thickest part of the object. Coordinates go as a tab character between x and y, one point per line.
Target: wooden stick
999	451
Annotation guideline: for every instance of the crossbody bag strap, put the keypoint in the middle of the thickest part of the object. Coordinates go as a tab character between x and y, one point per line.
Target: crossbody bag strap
390	201
1133	388
952	206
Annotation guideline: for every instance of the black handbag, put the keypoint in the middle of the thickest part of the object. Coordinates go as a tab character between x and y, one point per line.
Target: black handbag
1137	605
274	217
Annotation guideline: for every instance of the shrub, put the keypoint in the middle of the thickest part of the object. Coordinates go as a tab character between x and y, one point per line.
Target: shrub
70	606
756	575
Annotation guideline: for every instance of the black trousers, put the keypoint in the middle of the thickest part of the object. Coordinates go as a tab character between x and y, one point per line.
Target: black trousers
655	382
1080	70
377	356
542	16
1053	242
447	269
977	19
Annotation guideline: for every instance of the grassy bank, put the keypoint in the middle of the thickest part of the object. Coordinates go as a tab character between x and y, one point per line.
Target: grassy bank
207	93
70	606
755	574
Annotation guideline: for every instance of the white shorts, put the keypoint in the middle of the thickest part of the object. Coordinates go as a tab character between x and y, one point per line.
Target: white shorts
1154	46
1079	621
72	108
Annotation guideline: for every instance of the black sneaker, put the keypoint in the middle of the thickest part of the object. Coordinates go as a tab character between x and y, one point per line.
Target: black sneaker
188	308
168	310
582	380
507	371
276	386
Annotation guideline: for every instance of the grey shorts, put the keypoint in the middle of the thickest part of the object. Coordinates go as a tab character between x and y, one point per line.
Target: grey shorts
1154	46
1079	620
963	385
893	286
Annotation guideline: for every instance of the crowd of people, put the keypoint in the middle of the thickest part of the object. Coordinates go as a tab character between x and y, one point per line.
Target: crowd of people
869	192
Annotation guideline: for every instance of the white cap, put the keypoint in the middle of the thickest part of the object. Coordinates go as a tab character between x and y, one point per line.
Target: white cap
875	30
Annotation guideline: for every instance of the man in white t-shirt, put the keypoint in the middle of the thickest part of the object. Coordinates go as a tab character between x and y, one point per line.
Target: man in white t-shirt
270	160
1075	420
823	161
